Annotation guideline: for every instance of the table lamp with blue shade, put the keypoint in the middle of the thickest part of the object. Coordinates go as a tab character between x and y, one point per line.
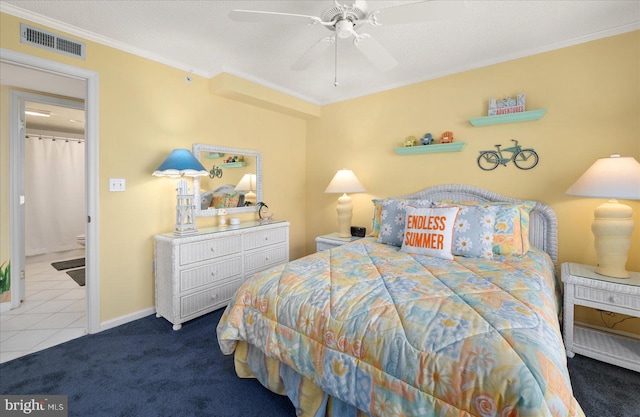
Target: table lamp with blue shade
181	163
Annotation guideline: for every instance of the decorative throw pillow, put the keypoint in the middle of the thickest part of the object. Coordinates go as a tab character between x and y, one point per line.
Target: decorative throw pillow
392	219
219	201
511	231
474	231
429	231
232	199
377	214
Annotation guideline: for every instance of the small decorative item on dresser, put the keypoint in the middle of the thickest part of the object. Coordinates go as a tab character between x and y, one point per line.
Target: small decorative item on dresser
263	209
447	137
222	217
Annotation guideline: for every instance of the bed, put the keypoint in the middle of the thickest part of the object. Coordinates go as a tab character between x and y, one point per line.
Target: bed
381	329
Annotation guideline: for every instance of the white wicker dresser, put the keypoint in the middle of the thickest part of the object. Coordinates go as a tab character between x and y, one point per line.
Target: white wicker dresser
197	274
582	286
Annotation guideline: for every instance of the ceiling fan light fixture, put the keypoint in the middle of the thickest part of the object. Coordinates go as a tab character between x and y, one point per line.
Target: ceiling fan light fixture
344	29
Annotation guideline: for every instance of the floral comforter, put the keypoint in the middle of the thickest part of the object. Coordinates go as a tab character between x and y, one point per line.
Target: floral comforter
396	334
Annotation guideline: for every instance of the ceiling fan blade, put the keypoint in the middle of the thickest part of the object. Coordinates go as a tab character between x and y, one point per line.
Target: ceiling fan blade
375	52
272	17
313	53
418	12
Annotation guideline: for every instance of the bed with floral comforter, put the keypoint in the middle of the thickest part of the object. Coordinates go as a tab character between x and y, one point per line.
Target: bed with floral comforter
367	329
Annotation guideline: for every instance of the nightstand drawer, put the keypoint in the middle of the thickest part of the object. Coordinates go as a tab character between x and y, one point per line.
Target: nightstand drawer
195	303
215	272
209	249
608	297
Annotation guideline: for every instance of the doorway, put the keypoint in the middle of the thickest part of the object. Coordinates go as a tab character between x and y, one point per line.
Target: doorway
90	79
53	309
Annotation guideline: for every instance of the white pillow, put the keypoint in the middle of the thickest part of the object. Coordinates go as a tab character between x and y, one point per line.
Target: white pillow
429	231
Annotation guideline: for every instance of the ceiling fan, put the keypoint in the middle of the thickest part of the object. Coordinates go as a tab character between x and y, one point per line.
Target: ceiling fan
346	19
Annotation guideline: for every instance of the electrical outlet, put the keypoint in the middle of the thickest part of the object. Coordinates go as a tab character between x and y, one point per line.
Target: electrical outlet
116	184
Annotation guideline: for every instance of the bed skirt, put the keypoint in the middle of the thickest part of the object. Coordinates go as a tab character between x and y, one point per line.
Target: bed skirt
307	397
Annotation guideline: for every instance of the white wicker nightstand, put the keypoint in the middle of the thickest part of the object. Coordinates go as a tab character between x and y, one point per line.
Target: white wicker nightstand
582	286
332	240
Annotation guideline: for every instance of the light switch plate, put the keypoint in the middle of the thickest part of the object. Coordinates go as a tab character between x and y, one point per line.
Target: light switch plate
116	184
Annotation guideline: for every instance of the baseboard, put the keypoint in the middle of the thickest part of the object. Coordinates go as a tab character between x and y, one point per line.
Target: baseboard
110	324
5	306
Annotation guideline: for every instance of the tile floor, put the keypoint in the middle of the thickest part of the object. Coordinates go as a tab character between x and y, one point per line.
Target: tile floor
53	312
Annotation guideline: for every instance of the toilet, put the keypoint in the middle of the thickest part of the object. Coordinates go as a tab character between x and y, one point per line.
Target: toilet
81	239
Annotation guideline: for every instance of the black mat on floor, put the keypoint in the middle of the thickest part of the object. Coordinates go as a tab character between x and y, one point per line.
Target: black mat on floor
72	263
77	275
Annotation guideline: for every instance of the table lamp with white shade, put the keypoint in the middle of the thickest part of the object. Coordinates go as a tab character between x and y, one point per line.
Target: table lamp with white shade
248	183
615	177
181	163
345	181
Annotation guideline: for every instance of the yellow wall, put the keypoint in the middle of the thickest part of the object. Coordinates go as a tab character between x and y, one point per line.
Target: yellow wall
146	110
591	91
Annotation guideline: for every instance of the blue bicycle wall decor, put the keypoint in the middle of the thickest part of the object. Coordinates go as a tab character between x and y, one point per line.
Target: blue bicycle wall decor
522	158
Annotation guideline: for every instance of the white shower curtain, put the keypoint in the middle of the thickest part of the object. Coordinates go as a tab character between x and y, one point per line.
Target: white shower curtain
54	195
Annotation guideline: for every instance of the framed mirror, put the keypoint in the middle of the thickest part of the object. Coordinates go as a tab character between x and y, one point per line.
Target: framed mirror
234	182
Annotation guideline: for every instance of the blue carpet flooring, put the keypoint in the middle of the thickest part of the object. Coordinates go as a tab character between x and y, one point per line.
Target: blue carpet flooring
144	368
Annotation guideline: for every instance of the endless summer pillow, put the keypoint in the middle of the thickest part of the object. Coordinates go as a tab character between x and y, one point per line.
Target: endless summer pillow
429	231
392	219
473	233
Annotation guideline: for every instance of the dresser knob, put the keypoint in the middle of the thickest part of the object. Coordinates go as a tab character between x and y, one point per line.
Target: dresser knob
213	249
213	273
214	297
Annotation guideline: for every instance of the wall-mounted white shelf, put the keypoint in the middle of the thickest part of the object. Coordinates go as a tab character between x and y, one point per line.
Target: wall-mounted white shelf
508	118
233	165
438	147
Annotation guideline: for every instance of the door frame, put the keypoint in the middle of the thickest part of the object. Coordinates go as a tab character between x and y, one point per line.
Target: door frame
91	176
17	104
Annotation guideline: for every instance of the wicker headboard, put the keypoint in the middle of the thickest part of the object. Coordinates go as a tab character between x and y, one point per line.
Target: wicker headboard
543	223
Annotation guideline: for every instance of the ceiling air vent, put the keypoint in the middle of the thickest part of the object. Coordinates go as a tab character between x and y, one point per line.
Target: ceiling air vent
50	41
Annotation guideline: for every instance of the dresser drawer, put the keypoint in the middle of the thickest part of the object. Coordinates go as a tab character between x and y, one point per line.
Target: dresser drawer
209	249
203	300
264	238
617	299
215	272
263	259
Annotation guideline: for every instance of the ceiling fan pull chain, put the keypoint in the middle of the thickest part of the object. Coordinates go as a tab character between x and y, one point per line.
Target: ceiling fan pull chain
335	79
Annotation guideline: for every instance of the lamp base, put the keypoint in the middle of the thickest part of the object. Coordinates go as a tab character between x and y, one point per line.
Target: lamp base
345	212
612	227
